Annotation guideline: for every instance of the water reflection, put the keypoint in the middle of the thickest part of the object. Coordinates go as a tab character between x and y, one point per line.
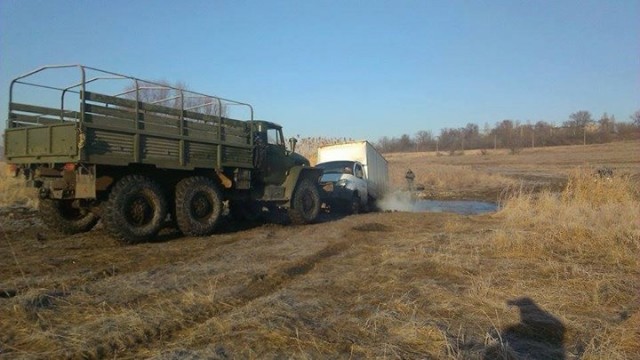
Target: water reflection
463	207
406	201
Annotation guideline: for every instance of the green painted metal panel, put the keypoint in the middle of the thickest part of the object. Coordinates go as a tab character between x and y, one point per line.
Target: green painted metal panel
120	131
45	143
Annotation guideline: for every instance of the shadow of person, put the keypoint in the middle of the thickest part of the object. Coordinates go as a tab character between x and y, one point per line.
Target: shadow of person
539	335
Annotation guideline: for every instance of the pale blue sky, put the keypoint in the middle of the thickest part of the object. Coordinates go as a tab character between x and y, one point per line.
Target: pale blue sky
358	69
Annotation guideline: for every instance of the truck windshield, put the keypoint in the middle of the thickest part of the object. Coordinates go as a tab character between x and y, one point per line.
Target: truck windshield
337	167
274	137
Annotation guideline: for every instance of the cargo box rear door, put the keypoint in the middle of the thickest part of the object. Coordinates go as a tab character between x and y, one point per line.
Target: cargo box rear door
42	144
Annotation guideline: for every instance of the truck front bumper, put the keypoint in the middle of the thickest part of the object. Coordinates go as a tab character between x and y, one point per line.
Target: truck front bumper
335	195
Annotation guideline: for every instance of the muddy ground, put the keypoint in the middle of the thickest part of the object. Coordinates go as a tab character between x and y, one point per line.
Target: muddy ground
377	285
262	290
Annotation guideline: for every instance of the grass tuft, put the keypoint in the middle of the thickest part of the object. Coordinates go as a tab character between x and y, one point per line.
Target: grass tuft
13	190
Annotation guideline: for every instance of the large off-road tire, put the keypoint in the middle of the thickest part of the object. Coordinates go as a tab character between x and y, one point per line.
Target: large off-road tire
355	206
372	205
198	206
305	205
61	216
135	210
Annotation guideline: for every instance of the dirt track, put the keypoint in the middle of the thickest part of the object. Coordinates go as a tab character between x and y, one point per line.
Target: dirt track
163	297
379	285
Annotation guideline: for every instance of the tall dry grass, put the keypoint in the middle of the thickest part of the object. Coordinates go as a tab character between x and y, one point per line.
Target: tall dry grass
451	177
13	190
584	243
593	217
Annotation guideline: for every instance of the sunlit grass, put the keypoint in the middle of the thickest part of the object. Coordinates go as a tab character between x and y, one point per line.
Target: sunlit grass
585	243
13	190
593	217
398	285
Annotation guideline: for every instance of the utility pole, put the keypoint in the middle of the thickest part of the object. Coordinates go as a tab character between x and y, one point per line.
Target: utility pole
533	141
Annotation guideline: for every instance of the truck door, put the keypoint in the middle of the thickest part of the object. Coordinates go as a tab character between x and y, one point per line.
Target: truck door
277	162
361	183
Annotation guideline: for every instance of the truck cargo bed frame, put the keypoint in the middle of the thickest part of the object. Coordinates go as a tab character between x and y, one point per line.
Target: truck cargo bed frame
174	128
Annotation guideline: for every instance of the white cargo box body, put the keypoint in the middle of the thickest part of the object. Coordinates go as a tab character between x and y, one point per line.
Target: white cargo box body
375	165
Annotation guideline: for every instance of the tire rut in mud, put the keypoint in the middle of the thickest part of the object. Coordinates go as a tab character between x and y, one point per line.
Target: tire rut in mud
163	330
266	284
261	285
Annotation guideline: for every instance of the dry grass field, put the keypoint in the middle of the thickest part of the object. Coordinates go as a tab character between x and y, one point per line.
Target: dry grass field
485	175
555	274
13	192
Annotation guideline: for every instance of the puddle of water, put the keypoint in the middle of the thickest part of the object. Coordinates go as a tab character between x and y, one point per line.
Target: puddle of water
403	201
462	207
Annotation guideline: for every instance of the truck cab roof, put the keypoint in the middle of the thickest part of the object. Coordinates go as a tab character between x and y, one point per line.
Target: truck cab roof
262	125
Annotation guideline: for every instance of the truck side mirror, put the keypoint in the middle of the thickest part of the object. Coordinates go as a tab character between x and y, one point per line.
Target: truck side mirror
292	144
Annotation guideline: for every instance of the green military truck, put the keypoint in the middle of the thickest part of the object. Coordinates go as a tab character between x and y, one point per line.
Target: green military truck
131	152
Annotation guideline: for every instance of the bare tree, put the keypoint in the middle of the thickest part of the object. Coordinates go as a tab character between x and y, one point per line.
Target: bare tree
579	119
606	127
513	135
406	144
471	136
635	118
423	139
177	96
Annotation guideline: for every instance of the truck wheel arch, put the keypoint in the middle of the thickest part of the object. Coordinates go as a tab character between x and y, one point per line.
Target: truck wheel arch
303	181
295	177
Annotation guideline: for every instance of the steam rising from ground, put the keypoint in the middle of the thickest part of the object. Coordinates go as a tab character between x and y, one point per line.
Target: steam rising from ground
409	202
398	201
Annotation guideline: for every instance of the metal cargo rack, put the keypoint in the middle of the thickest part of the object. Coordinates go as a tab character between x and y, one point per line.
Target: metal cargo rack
125	120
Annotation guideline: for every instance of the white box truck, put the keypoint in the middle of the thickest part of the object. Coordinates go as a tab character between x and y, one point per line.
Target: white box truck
355	175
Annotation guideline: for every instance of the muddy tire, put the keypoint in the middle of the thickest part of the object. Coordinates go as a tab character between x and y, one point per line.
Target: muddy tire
198	206
61	216
355	207
371	205
135	210
305	205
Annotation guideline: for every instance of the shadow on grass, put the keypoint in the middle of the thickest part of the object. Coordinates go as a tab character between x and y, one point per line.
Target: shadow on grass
538	335
227	225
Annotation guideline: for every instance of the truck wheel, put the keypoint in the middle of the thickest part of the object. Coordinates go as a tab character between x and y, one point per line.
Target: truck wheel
371	205
355	206
305	205
60	215
135	210
198	206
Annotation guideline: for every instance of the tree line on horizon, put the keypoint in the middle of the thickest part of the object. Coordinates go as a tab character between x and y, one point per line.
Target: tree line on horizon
579	129
515	135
